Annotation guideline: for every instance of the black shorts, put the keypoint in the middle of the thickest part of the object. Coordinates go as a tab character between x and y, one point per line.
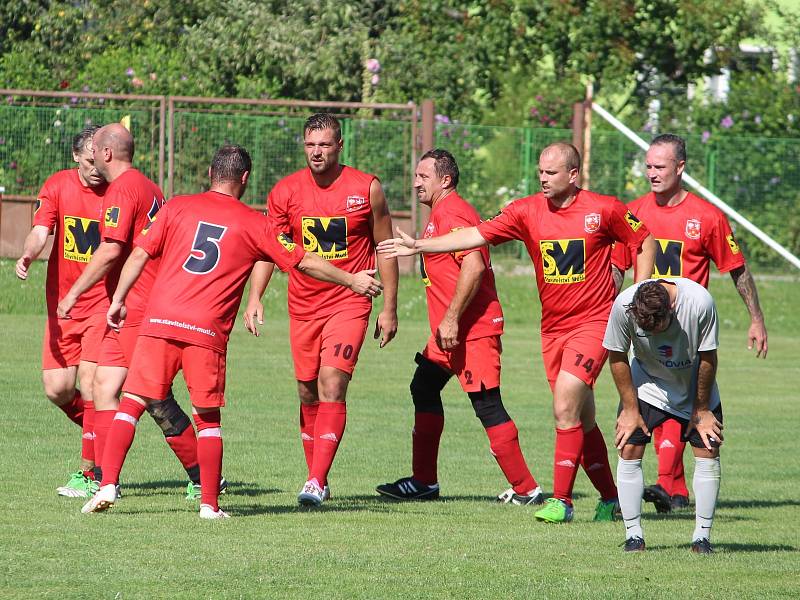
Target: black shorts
653	417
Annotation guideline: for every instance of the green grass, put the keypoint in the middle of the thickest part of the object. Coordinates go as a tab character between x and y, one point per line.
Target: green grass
358	546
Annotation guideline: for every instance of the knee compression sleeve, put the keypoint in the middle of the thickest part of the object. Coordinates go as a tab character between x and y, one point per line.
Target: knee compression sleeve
488	406
169	416
429	380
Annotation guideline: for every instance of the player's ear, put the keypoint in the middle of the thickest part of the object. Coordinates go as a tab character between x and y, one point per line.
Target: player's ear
573	175
447	182
681	165
209	173
245	177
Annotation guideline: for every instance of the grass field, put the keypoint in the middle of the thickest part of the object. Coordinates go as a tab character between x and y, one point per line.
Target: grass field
357	546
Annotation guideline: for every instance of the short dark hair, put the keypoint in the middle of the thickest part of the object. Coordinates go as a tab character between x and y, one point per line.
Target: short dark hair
678	144
570	154
320	121
445	164
650	306
230	163
80	139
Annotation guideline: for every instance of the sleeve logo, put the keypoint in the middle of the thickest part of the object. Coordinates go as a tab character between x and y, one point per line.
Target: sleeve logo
285	241
37	205
326	236
732	243
112	216
693	229
632	221
81	238
563	261
147	227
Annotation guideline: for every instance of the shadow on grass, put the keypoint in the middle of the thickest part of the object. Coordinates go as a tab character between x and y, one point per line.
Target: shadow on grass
237	488
732	547
762	503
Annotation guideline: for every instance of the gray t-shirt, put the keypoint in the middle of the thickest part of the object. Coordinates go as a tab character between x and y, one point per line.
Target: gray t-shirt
664	366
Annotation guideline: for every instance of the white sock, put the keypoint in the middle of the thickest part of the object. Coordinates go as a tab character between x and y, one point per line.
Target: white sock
630	487
706	489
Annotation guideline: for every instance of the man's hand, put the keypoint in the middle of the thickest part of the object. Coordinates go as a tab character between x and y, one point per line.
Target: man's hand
404	245
447	333
707	426
115	317
628	421
385	324
364	284
756	338
65	306
22	266
254	313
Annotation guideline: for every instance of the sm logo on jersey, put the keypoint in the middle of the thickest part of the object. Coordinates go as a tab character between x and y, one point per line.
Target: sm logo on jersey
81	238
112	216
326	236
732	243
563	261
669	259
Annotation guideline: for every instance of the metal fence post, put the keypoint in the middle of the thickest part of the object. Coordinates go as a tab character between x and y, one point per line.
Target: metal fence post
347	138
527	165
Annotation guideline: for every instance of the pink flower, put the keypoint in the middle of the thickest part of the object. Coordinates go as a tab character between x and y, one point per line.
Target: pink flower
136	82
130	72
727	122
152	76
441	119
373	65
705	136
375	79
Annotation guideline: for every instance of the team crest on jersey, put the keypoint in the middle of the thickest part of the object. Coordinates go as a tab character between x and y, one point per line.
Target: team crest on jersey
326	236
669	258
591	222
112	216
151	214
355	202
563	261
285	241
632	221
429	230
693	229
732	243
81	238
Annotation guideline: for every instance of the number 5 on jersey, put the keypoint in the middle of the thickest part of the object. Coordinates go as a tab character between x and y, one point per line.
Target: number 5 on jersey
205	252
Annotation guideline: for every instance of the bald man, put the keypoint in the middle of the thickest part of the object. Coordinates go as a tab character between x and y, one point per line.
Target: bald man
130	205
568	232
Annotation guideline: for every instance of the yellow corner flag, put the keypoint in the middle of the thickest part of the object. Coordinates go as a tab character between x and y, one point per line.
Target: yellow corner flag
126	122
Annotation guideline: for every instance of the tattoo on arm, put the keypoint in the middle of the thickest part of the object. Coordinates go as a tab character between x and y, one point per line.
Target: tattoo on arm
706	373
618	277
743	280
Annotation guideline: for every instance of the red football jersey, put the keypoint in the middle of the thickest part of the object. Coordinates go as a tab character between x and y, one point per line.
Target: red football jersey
689	236
332	222
483	316
130	204
208	244
571	252
72	212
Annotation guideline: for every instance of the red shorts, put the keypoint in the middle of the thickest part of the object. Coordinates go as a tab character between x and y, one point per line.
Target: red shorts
156	361
331	341
579	352
476	363
117	347
67	342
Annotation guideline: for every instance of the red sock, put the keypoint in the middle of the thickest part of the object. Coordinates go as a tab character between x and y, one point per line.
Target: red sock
504	444
308	419
185	448
670	458
328	432
102	424
209	455
595	463
120	438
569	447
87	439
74	409
425	438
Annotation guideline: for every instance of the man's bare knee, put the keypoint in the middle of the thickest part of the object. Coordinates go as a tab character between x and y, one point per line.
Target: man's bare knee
332	384
307	392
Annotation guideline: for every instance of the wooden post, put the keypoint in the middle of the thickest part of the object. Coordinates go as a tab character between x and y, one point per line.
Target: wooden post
578	119
428	131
